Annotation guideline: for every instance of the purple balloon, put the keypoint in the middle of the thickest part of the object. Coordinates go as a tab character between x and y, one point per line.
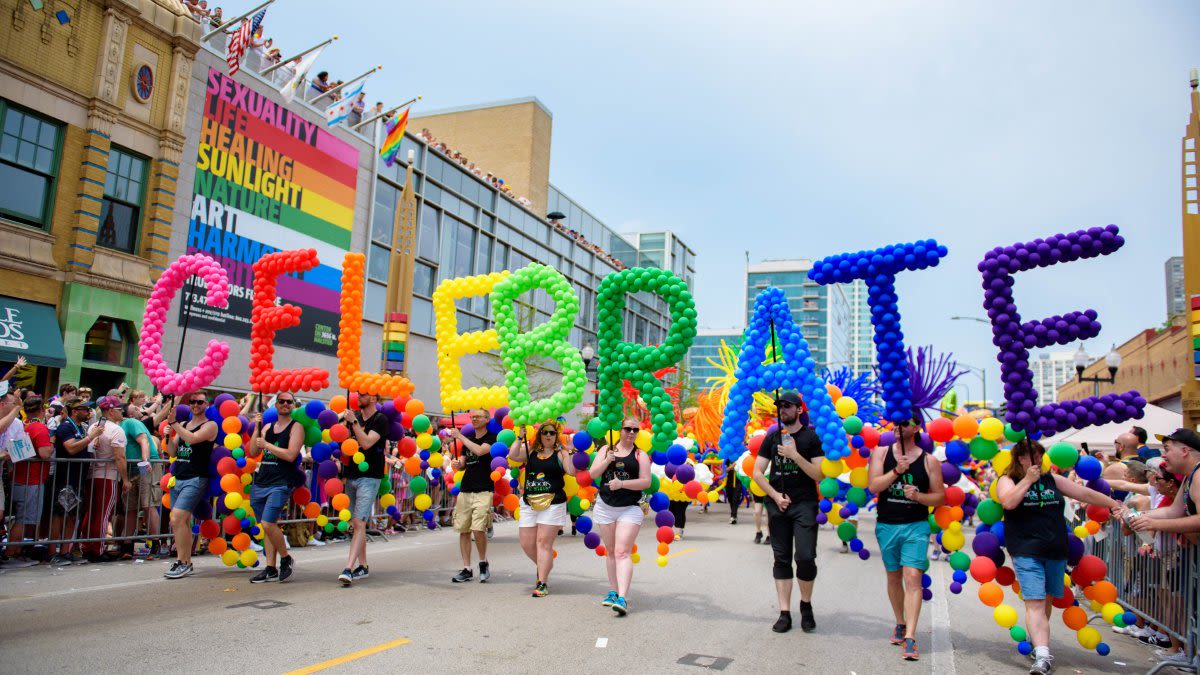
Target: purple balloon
327	469
955	587
580	460
664	518
327	418
395	431
500	413
183	413
685	473
1100	485
822	519
1075	549
221	398
925	442
499	463
591	540
468	430
670	470
887	438
986	544
863	554
389	409
951	474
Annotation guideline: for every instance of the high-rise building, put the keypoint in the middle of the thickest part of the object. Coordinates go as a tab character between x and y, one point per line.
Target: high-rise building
1050	371
662	249
706	346
862	333
1176	298
823	313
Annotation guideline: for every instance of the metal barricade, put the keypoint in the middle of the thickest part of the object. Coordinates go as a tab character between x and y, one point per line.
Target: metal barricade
1158	580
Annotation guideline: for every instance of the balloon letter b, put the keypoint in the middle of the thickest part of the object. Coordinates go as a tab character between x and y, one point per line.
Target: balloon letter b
451	346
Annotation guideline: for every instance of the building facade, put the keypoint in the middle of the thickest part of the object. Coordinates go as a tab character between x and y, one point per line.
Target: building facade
706	350
822	312
92	107
1154	363
1176	298
1050	371
862	333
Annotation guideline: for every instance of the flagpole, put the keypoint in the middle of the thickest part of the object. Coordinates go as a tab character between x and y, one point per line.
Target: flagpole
384	114
220	29
306	52
343	85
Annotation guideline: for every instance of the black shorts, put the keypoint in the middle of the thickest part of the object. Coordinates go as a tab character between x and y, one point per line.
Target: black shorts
793	537
757	499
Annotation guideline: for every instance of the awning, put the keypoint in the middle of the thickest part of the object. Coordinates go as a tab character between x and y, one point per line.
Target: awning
30	329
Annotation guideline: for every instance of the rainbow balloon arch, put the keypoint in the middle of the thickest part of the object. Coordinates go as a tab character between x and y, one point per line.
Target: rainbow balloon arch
685	462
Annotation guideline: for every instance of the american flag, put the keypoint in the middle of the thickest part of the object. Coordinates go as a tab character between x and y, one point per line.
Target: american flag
239	40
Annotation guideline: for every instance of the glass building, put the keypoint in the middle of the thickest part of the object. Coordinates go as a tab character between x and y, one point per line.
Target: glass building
822	312
706	347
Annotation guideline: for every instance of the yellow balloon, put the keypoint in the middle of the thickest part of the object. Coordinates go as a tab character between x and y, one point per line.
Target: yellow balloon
249	557
835	516
424	441
858	477
846	406
1110	612
358	457
1005	616
714	496
171	483
1081	532
517	514
1096	606
953	540
830	468
387	500
435	460
1001	461
1088	637
229	557
322	520
642	440
422	502
1045	463
756	490
233	441
247	479
570	485
233	500
635	557
585	504
992	490
662	561
325	437
991	429
345	514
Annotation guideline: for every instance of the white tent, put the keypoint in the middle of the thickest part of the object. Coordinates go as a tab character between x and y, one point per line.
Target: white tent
1156	421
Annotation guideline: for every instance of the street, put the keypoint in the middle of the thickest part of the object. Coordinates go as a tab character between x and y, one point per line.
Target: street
711	607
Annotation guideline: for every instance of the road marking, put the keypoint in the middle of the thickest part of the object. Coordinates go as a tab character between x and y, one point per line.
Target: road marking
676	555
352	656
601	643
943	648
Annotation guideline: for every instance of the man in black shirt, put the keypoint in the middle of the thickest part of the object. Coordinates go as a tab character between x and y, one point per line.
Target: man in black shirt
794	453
370	428
473	510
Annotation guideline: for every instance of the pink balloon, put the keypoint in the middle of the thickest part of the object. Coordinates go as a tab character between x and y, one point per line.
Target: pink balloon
157	306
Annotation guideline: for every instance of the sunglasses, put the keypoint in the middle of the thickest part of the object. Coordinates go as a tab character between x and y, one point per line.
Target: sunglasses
198	401
285	402
549	432
632	430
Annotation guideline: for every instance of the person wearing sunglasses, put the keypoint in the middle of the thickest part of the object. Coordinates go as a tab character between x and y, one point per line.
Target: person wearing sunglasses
624	472
191	448
794	454
473	508
280	444
543	491
909	482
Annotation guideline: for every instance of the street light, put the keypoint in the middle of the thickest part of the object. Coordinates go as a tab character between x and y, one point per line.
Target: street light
980	371
969	318
1112	361
588	353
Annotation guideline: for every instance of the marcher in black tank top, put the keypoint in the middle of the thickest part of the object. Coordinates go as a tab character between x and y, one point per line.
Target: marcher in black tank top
273	483
623	472
894	507
191	446
543	497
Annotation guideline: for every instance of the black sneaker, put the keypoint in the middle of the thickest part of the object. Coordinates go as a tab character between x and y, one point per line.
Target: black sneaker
268	574
767	540
361	572
61	560
346	577
574	532
733	521
807	623
758	537
485	572
784	623
464	576
285	568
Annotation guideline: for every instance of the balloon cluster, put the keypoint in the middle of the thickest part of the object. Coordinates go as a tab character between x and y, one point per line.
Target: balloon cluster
452	346
157	305
878	268
1014	338
621	360
547	340
266	318
795	370
350	377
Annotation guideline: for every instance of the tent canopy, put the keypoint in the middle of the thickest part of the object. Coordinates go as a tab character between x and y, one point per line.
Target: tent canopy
1156	421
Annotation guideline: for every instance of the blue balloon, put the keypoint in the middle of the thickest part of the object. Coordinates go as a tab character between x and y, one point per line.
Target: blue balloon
321	452
659	457
825	506
856	544
581	440
957	452
313	408
998	530
1103	649
211	413
1024	648
270	415
658	502
583	524
499	449
494	427
960	576
1088	467
677	454
435	474
926	581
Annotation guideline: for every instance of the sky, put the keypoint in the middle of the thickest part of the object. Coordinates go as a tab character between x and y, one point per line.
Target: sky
806	129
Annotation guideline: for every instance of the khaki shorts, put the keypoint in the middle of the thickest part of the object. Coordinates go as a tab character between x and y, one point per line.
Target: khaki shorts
473	512
147	491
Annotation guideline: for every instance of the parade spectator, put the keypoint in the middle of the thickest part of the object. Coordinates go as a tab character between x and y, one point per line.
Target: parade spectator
319	85
473	510
1143	452
11	430
1181	454
357	107
71	441
108	476
29	482
144	472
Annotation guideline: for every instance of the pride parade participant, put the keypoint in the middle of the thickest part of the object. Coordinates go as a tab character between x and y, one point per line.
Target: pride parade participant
473	510
544	511
280	444
369	427
191	448
624	472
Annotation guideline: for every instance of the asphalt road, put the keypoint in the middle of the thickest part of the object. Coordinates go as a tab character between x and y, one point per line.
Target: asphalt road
711	607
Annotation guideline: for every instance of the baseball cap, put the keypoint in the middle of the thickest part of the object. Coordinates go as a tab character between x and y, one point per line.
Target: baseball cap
1156	463
108	403
3	387
1186	436
790	397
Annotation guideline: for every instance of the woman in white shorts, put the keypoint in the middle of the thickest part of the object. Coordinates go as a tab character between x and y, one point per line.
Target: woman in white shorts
544	507
624	472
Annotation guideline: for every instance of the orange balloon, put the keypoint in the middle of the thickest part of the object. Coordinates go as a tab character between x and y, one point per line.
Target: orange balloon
414	407
333	486
167	500
338	404
340	501
991	594
834	392
512	502
942	516
312	510
855	460
241	541
1075	617
349	447
1104	592
217	546
412	465
231	483
1092	526
748	466
965	427
663	548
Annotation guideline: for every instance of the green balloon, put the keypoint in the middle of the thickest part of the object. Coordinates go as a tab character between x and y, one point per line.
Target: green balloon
1063	455
597	429
239	513
363	466
1012	435
329	527
846	530
960	561
1017	633
435	443
982	449
828	488
1119	620
934	528
385	486
420	423
507	437
745	480
342	526
573	506
312	434
653	487
852	425
989	511
238	453
418	485
857	496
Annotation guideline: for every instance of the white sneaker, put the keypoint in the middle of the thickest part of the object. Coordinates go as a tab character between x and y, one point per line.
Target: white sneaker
257	548
315	542
1175	659
1127	630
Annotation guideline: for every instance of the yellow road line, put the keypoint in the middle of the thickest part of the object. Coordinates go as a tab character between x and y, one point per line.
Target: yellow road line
346	658
676	555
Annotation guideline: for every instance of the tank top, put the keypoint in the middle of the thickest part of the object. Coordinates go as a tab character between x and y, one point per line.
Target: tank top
1037	528
1185	492
544	476
191	461
621	468
272	471
896	509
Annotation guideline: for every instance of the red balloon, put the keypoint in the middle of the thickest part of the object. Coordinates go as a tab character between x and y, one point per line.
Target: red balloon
1067	599
231	525
301	496
210	529
940	429
1005	576
601	551
1088	571
983	569
408	447
954	495
665	534
692	489
338	432
229	409
1097	513
333	486
227	465
870	436
754	444
507	422
583	478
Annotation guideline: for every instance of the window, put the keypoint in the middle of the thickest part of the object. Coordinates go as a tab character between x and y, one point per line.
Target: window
124	190
427	235
464	256
386	197
378	263
28	165
423	276
109	341
374	302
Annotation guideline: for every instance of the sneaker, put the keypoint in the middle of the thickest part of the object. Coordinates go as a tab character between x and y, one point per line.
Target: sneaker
19	562
758	537
464	576
1155	640
315	542
898	634
268	574
1175	659
1042	666
767	540
179	570
678	536
60	560
1126	630
620	606
285	568
540	591
574	532
910	649
807	623
490	532
361	572
79	559
346	577
609	599
936	555
845	547
257	548
485	572
784	623
733	521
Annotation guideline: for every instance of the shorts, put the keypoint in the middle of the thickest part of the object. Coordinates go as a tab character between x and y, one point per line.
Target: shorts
363	493
904	545
26	503
473	512
188	493
556	515
146	490
756	498
604	514
793	538
70	477
1040	578
268	501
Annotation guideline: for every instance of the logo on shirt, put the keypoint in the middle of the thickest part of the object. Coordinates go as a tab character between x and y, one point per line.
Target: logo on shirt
1040	495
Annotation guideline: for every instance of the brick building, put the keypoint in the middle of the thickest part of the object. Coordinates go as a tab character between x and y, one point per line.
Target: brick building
1154	363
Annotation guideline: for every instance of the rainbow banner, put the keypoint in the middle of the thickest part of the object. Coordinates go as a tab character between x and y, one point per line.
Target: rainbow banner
395	134
267	180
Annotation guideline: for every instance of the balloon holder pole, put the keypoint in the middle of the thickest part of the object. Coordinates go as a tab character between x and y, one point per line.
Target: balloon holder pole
187	314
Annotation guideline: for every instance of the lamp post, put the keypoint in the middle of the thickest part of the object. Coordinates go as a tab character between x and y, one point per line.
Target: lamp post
1112	361
589	354
979	371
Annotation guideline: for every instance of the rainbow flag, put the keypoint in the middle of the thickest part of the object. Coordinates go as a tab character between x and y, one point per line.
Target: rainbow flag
395	134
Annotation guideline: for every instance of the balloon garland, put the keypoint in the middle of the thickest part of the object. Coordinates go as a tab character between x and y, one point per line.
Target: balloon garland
266	318
350	375
155	316
452	346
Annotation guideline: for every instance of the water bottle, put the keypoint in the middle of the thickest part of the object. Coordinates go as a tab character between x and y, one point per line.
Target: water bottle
1143	537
